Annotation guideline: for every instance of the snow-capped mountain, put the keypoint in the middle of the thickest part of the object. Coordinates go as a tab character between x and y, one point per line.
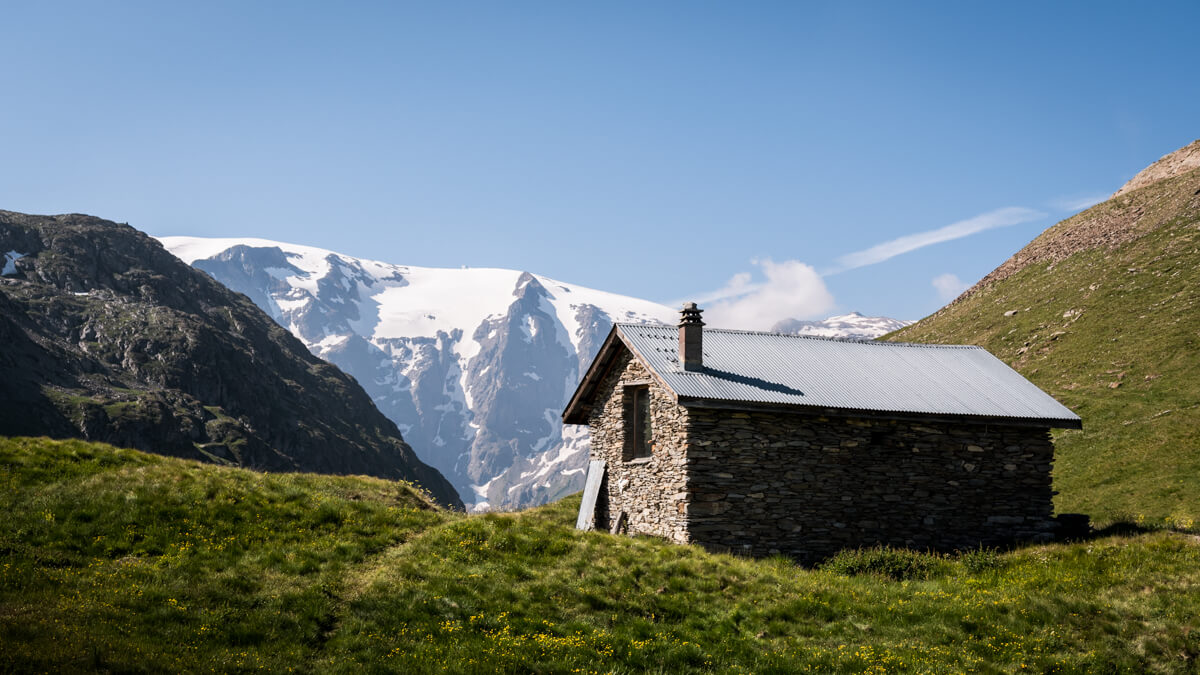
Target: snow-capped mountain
852	325
474	365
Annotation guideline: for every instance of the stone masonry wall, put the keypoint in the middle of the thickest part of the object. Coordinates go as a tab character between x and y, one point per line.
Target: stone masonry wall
649	490
766	483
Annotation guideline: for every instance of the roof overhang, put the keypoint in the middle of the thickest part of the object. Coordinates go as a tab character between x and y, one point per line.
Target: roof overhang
817	411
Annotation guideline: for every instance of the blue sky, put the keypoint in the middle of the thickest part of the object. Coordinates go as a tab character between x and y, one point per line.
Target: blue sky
768	158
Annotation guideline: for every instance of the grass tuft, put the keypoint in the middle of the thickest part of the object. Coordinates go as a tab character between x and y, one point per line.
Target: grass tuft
981	560
897	564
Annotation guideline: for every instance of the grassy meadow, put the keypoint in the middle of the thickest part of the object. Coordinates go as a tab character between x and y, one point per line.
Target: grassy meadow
119	561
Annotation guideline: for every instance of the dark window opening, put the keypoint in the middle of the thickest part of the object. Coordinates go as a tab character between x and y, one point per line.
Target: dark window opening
638	438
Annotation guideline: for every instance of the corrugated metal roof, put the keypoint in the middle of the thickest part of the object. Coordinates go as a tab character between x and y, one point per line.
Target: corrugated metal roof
770	368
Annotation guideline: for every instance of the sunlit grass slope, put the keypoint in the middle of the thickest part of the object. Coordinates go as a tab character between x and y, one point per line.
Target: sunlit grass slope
1114	334
123	560
114	560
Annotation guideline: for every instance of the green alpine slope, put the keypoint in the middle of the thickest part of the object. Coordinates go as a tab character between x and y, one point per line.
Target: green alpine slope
118	561
1100	311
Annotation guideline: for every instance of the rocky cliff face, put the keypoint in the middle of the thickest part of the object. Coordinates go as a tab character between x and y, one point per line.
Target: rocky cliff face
109	337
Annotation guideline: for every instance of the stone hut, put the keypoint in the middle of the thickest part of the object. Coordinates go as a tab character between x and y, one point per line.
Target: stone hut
763	443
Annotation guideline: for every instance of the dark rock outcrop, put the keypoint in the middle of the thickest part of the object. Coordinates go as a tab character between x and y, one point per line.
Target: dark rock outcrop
107	336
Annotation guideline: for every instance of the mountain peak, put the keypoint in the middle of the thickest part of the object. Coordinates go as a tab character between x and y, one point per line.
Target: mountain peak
527	283
1179	162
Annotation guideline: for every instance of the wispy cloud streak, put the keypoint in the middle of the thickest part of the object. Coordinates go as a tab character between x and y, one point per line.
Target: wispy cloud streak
792	289
1013	215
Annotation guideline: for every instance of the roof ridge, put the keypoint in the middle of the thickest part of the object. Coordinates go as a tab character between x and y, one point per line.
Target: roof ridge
804	337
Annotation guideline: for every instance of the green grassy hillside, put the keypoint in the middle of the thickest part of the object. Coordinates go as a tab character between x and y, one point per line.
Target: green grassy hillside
118	561
1107	322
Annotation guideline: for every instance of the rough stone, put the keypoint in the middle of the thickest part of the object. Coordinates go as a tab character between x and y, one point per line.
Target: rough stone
856	483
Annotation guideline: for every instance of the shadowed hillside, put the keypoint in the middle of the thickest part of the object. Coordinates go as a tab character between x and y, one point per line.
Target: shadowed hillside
109	337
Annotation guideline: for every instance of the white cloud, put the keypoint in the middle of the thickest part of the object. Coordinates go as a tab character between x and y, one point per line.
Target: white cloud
949	286
790	290
1078	202
1012	215
737	285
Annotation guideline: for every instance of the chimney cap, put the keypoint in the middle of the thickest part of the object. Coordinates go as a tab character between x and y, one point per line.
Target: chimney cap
690	314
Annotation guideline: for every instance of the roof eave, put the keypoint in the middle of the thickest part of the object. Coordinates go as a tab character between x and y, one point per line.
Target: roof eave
788	408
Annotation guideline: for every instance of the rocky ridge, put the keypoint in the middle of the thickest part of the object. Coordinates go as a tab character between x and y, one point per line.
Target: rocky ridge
1173	164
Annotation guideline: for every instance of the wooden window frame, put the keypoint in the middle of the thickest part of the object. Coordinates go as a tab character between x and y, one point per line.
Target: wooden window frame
637	417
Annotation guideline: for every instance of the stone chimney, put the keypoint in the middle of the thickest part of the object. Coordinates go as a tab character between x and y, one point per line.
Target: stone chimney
691	338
